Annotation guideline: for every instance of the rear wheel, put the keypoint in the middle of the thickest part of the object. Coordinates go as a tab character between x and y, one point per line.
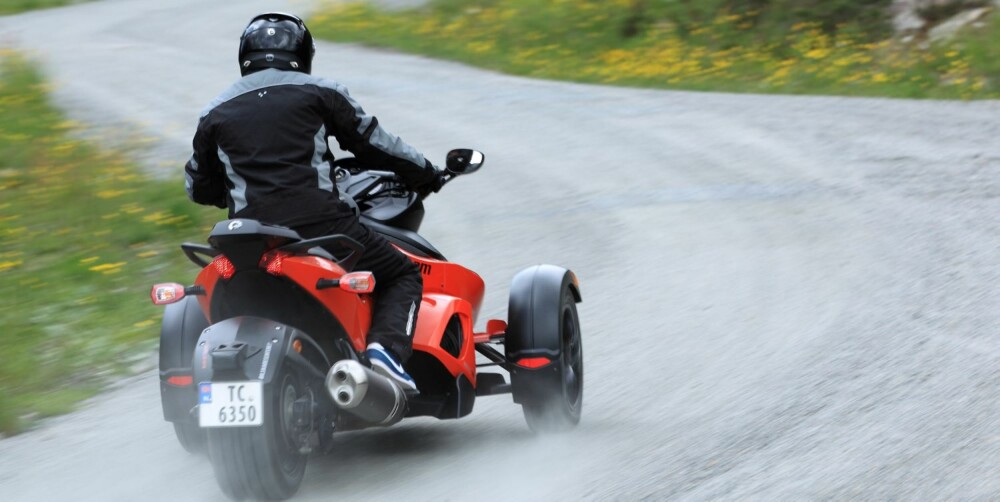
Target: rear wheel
558	406
190	436
262	462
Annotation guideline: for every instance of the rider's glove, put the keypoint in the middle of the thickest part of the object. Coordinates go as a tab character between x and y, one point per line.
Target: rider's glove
437	182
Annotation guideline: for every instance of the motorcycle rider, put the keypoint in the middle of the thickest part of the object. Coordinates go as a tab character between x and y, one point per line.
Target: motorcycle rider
261	151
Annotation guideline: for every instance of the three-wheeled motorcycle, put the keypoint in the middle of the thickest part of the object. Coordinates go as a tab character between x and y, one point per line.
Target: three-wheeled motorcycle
262	359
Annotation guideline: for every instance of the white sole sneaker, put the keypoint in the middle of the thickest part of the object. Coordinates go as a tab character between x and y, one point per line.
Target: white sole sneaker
386	365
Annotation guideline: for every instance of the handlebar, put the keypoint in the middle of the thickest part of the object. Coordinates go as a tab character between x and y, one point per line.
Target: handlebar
360	184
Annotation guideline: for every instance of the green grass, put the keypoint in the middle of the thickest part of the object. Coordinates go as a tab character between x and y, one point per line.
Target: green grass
16	6
83	235
769	46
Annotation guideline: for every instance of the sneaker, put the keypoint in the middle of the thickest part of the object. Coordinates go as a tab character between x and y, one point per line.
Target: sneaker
385	364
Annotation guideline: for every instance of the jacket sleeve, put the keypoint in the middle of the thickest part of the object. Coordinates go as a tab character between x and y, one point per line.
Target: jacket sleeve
204	175
361	134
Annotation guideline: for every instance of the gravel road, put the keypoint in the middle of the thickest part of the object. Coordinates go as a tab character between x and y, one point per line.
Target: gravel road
784	297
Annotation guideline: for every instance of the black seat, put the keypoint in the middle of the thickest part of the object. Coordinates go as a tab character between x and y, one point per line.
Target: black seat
406	239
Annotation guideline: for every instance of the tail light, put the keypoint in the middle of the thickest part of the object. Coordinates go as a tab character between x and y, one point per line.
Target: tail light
223	266
272	261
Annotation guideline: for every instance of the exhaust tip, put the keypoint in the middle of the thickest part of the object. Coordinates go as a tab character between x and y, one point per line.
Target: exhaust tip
345	383
369	396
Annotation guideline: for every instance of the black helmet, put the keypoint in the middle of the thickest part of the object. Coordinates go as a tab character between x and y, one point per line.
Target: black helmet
276	40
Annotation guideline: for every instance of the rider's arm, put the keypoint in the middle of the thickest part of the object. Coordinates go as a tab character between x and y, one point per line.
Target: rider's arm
361	134
204	174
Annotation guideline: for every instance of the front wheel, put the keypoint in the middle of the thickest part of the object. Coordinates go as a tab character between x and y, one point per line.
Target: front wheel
262	462
544	348
560	407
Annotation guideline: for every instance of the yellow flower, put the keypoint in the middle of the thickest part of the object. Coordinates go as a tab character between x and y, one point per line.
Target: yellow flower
155	217
7	265
110	194
481	47
818	53
108	268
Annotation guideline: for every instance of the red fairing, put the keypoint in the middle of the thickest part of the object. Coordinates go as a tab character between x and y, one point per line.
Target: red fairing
450	279
435	312
207	279
449	289
353	310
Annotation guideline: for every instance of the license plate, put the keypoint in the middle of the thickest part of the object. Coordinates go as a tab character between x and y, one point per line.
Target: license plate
230	404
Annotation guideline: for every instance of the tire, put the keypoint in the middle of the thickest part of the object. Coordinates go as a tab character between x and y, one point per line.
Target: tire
544	348
190	436
558	407
261	463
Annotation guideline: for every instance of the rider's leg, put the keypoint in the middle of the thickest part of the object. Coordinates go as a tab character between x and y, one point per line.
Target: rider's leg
398	290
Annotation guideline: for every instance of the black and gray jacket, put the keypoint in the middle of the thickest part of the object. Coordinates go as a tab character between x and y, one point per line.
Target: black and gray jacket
261	148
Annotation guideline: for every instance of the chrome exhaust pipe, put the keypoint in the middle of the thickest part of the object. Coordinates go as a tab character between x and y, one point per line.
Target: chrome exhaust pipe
365	394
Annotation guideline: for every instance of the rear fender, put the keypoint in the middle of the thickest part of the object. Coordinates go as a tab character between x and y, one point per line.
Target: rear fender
254	348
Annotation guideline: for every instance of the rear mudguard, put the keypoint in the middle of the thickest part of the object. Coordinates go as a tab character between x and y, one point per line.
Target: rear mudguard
254	348
532	321
183	322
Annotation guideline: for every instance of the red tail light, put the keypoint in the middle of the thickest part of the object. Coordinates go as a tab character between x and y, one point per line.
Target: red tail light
272	262
223	266
533	362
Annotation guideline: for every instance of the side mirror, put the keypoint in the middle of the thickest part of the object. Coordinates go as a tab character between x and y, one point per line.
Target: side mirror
464	161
